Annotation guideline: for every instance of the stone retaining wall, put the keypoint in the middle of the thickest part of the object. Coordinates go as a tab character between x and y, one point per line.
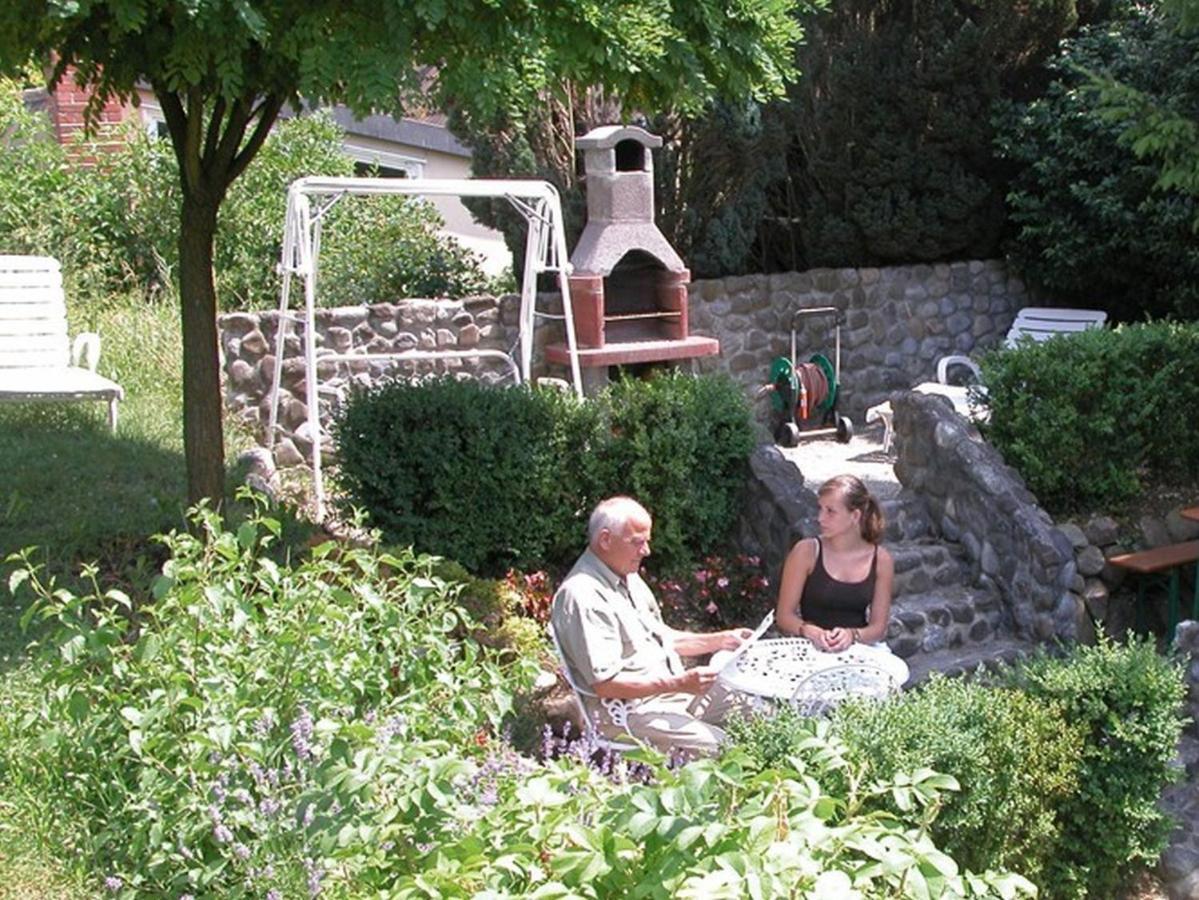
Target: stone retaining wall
248	344
1097	540
1179	866
974	498
899	322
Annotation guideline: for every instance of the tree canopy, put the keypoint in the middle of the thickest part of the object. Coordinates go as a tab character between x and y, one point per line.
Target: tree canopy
222	70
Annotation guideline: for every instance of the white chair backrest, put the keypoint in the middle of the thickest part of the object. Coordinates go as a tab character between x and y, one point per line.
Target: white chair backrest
33	313
616	708
1043	322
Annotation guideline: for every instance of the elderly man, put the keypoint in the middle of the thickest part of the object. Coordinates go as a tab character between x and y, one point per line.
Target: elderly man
611	632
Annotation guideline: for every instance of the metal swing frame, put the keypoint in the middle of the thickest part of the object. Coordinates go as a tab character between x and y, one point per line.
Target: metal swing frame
309	199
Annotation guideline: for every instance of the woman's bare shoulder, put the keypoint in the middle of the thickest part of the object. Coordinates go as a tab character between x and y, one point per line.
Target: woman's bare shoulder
804	548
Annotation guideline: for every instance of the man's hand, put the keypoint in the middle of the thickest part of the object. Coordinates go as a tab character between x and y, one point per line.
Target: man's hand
733	638
697	680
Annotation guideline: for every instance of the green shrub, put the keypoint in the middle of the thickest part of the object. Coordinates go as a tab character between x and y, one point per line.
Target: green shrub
1085	418
506	478
116	223
248	709
1014	756
680	445
1092	225
1127	700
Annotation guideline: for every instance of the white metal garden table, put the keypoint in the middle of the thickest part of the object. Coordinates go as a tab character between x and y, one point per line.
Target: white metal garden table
794	669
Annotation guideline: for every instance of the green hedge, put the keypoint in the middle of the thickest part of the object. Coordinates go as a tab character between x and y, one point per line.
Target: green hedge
500	478
1127	699
986	738
1060	764
1086	419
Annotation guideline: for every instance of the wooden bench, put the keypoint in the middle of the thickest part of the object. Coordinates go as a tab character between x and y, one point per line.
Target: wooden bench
1167	561
37	363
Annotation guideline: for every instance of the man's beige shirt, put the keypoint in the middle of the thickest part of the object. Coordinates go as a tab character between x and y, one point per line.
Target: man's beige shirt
607	626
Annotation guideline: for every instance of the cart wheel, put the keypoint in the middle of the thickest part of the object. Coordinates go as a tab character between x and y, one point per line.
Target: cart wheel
787	434
844	429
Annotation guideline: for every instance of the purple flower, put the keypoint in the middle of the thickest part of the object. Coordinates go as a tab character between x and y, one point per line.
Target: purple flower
273	894
241	851
222	834
301	735
268	807
264	725
113	883
314	877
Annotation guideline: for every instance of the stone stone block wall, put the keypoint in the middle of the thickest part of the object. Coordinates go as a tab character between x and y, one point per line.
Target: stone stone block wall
974	498
1106	589
899	321
248	345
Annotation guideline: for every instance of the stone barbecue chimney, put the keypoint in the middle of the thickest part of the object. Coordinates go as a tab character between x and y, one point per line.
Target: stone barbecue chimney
629	286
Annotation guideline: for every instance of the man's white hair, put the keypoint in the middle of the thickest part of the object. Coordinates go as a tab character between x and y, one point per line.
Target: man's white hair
614	514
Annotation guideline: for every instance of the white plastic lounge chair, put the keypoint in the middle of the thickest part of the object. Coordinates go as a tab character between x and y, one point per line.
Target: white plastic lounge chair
1036	323
616	709
37	364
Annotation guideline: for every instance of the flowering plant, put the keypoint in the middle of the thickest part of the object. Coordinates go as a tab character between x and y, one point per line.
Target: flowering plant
534	593
723	591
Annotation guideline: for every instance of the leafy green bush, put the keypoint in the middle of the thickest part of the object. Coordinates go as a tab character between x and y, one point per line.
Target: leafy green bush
232	721
1093	227
116	222
1127	700
506	478
1085	418
1013	755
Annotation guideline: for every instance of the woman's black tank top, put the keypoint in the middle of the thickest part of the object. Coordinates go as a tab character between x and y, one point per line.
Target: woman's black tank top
830	603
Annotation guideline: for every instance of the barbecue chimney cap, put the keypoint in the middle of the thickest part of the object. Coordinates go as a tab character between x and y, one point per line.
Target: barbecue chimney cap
608	136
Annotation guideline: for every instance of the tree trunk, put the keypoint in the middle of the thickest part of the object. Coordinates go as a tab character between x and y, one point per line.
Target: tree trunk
203	436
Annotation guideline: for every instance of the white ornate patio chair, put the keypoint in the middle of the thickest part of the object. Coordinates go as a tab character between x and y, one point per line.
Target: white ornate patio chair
37	363
616	709
826	689
1036	323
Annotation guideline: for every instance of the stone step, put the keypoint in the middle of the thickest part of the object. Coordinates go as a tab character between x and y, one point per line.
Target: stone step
954	661
906	516
926	564
944	617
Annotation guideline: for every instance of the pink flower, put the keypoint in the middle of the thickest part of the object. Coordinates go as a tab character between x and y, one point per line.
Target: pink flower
702	575
712	608
722	582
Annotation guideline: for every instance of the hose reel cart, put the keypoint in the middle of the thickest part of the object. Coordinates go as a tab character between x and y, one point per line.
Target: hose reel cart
803	395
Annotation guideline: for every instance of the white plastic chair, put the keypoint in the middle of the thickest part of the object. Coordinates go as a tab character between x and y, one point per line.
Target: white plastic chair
37	363
616	709
1037	323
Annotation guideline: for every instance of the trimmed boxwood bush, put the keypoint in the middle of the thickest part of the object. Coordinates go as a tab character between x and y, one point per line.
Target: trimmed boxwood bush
1087	418
1013	755
500	478
1060	761
1127	699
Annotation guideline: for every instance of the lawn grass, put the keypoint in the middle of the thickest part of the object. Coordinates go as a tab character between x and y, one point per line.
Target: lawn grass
77	493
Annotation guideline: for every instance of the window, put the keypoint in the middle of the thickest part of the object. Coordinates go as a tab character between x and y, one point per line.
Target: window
382	163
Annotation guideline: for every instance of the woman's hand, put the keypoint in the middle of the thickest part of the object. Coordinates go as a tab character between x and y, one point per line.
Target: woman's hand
840	639
830	640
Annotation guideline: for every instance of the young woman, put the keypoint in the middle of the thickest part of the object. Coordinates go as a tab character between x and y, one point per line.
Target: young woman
836	589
